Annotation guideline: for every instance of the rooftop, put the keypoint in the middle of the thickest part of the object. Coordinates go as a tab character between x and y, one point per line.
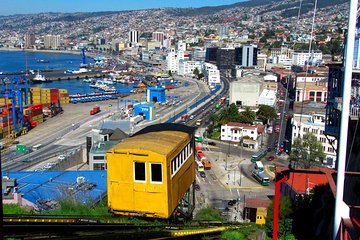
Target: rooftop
56	185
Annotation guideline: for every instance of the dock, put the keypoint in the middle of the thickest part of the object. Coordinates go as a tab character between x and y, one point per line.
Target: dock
58	75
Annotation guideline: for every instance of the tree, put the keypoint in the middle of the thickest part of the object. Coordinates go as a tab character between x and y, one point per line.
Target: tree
229	114
200	76
266	113
196	72
170	73
247	116
285	217
307	152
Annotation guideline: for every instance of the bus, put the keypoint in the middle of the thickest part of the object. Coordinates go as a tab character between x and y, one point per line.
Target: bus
259	166
198	122
261	178
199	166
257	156
36	147
198	139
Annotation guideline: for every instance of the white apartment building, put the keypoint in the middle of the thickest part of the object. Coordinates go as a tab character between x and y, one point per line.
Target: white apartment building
315	124
299	58
235	132
186	68
211	73
181	46
172	60
52	41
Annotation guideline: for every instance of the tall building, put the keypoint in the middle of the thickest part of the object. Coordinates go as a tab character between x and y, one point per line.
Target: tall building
225	58
52	41
133	37
211	74
159	37
210	55
29	40
172	60
246	55
223	31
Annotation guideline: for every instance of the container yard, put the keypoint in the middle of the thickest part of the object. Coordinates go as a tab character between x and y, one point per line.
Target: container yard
23	108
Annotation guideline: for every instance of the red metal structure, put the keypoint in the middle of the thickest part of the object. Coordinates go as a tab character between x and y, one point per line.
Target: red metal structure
349	228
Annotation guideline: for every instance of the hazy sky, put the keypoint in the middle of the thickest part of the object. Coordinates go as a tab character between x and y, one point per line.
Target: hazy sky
9	7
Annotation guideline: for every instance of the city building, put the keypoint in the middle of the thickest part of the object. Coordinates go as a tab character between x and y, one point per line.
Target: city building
236	132
186	68
300	184
300	58
245	91
52	41
267	97
225	58
29	40
133	37
198	54
159	37
310	91
101	141
172	59
211	74
270	82
210	54
246	55
315	124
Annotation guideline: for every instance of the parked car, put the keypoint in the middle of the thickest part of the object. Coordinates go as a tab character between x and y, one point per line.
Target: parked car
197	187
270	158
61	157
277	128
212	143
202	174
232	202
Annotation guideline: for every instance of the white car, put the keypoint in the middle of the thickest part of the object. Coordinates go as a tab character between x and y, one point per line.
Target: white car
62	157
192	117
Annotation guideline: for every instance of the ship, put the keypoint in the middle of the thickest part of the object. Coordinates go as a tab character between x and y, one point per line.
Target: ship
39	78
42	61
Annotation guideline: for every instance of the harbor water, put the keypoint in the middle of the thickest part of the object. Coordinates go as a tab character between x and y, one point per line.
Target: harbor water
20	61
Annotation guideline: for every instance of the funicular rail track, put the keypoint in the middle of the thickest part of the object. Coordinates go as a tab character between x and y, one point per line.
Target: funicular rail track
44	227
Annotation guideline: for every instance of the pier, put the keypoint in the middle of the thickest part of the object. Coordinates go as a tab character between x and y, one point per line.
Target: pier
57	75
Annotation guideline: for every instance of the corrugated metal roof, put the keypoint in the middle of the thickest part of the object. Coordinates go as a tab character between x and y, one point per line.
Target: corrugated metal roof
54	185
162	142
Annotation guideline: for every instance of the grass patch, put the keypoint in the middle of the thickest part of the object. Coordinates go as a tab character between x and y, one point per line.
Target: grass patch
209	214
214	135
247	231
14	209
272	169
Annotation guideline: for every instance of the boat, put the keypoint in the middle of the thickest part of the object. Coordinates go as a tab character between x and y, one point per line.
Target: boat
89	80
42	61
39	78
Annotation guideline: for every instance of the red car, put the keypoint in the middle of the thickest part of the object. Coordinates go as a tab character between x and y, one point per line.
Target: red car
277	128
270	158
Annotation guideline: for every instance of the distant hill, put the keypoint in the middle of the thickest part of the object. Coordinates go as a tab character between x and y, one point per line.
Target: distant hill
212	10
288	9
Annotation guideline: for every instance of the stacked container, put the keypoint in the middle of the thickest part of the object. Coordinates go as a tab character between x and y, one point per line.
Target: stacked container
36	113
64	96
35	95
6	121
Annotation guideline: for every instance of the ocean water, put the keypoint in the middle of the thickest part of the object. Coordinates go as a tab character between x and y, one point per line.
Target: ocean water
16	61
77	86
19	61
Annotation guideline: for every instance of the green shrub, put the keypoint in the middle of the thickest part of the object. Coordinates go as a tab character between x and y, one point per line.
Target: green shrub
209	214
